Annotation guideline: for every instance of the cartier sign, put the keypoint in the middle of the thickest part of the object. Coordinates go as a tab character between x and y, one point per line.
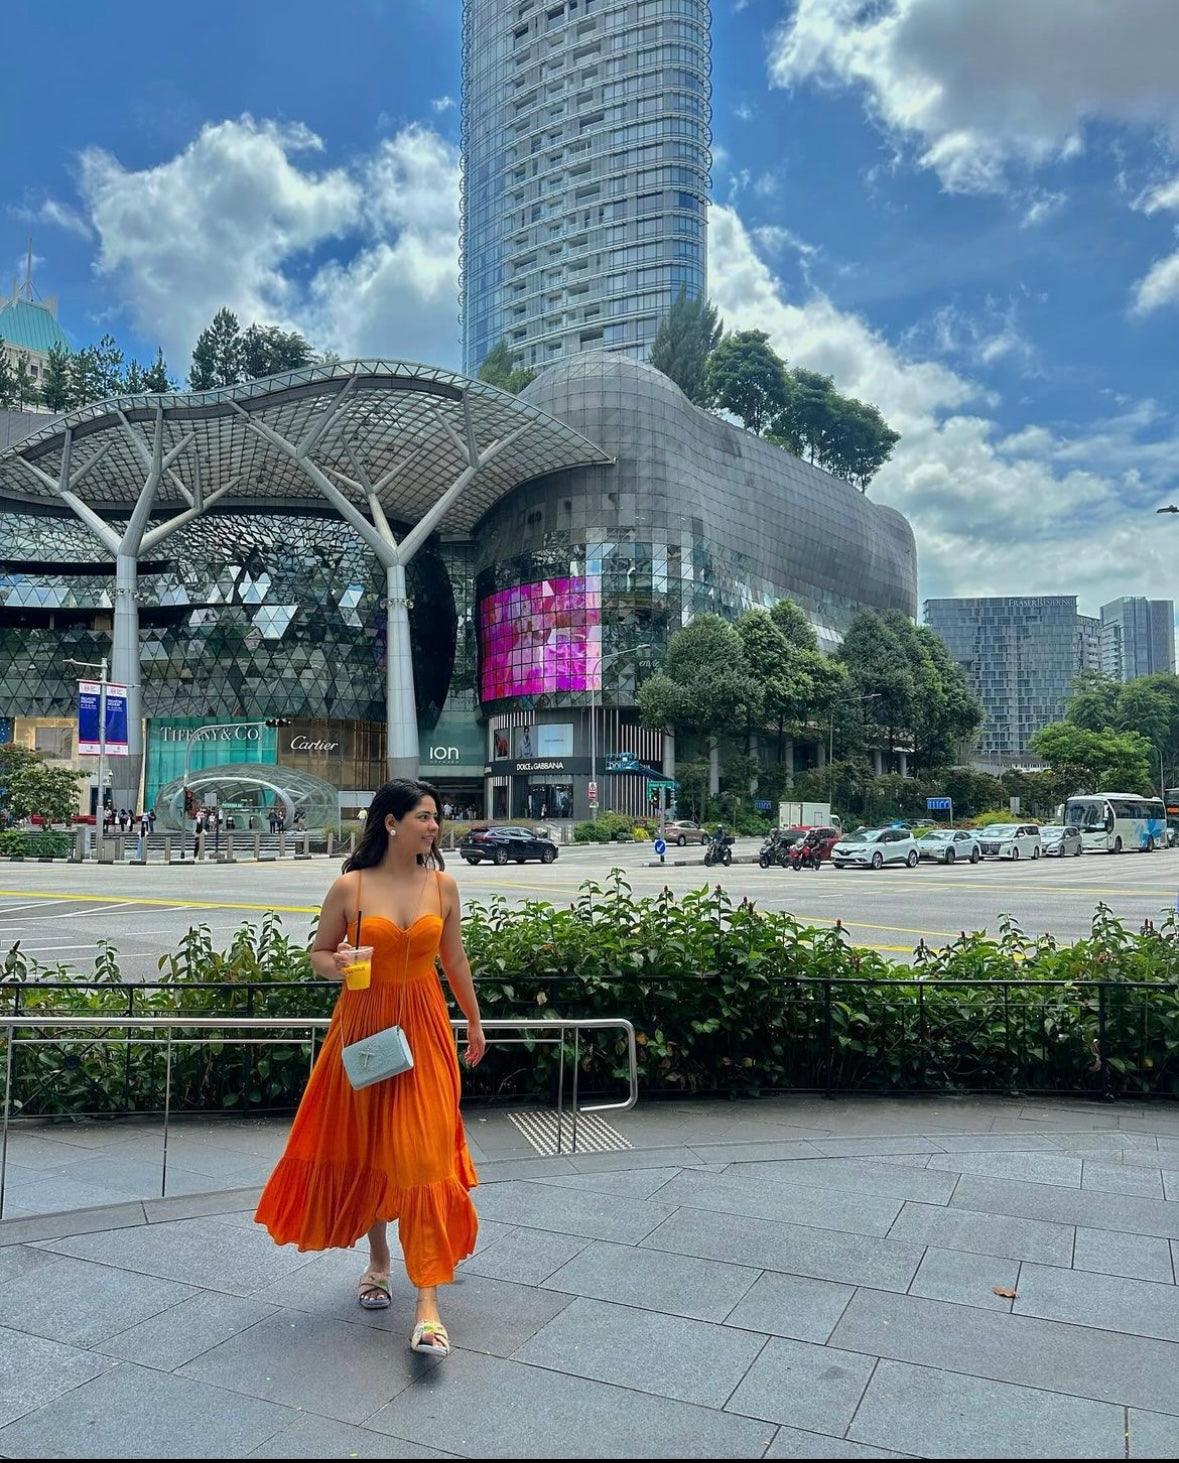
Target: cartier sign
305	744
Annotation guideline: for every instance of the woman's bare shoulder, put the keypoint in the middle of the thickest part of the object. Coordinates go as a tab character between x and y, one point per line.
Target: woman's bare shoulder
344	886
448	886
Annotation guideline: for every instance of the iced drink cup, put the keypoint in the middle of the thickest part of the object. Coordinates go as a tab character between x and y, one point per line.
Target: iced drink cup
358	973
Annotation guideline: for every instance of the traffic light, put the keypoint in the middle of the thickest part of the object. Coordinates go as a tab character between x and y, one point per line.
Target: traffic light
278	721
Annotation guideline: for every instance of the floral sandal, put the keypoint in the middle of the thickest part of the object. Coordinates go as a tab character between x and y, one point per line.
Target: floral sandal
430	1338
375	1293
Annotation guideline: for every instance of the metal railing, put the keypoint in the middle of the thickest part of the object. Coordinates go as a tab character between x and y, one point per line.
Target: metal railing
555	1028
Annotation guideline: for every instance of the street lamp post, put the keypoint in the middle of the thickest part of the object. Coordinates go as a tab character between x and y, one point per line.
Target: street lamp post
602	659
100	820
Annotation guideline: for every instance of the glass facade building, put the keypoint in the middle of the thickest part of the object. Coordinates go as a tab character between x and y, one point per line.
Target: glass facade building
1021	655
586	128
1138	637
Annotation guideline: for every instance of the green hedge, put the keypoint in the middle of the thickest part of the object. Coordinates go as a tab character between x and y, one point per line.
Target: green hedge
34	845
724	998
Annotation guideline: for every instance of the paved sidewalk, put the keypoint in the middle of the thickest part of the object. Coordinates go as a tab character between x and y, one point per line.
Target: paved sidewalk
783	1278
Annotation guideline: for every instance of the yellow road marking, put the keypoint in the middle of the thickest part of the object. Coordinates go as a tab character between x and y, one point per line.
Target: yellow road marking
168	903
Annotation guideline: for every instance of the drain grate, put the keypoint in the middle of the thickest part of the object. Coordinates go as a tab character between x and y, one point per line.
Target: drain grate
594	1134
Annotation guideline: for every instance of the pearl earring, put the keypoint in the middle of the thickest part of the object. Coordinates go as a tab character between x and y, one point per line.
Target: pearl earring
392	832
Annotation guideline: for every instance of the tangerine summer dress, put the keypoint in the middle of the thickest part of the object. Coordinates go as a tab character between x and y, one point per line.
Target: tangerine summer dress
397	1149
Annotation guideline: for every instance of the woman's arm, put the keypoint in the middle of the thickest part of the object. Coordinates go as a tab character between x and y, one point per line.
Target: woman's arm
458	967
331	951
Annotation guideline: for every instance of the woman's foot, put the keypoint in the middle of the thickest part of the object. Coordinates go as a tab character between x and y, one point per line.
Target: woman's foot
374	1290
429	1334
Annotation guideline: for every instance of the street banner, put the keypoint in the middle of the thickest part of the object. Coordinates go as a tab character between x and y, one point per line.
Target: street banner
89	695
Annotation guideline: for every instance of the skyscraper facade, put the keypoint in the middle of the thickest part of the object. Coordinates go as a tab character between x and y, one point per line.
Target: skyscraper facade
1138	636
1020	655
586	127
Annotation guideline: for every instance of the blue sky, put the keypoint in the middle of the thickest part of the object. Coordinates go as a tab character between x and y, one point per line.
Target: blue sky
965	211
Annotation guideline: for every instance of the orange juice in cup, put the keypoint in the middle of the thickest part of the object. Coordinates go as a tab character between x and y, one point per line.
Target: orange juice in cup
358	973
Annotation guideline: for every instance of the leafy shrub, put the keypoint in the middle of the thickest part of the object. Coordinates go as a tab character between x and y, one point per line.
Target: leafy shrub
986	820
604	828
724	998
34	845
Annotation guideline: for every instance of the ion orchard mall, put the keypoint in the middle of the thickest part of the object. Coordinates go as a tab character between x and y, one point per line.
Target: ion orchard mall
408	571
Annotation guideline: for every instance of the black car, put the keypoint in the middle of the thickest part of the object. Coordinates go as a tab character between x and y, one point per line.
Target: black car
506	845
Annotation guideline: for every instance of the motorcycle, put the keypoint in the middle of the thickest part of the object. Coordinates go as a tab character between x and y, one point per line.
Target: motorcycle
806	855
719	850
775	850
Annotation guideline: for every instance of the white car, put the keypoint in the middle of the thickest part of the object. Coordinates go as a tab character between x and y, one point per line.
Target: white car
1061	840
874	847
949	845
1010	840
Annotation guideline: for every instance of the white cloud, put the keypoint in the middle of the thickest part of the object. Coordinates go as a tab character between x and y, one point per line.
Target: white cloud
1042	204
443	104
56	215
744	112
1036	511
981	85
1160	285
239	218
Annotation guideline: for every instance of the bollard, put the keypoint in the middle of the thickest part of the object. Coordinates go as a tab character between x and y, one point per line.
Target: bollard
79	854
257	844
306	847
330	842
141	849
352	841
282	842
227	857
200	846
167	848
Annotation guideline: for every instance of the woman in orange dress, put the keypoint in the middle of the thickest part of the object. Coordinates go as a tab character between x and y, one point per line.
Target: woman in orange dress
396	1150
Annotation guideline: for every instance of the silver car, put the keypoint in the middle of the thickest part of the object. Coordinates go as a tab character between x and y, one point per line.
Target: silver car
875	847
949	846
1061	840
1010	840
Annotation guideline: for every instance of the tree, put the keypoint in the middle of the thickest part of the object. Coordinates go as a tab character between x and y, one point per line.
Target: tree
55	380
861	442
24	384
1094	700
804	424
217	355
85	375
266	350
108	365
848	438
687	336
156	378
497	369
132	383
880	672
747	377
29	786
705	685
7	380
1096	761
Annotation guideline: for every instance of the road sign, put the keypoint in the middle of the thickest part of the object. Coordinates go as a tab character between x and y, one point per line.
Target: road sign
938	805
660	847
593	792
654	782
622	762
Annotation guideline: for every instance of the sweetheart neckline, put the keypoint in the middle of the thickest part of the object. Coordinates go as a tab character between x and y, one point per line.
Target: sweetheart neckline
405	929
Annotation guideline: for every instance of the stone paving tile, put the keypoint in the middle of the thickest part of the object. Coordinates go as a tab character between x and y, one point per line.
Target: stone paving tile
33	1371
57	1193
319	1437
637	1183
873	1147
168	1340
751	1152
684	1360
82	1303
133	1412
594	1216
1115	1303
527	1256
792	1306
134	1176
1138	1256
1033	1168
1116	1178
966	1279
1170	1184
481	1313
678	1157
1081	1361
485	1407
523	1168
33	1151
193	1251
327	1367
792	1442
1152	1434
938	1414
17	1260
195	1206
984	1234
1068	1206
703	1290
813	1387
737	1192
794	1249
995	1142
859	1175
103	1219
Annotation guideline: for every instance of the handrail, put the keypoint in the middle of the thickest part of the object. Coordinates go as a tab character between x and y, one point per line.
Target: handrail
11	1024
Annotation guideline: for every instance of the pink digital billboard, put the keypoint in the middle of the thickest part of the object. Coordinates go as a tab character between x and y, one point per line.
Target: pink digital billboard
541	637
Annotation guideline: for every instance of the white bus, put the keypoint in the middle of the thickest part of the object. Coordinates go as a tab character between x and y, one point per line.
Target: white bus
1112	822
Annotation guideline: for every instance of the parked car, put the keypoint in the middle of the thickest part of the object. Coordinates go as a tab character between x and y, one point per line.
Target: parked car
686	830
949	845
1061	840
506	845
875	847
1010	840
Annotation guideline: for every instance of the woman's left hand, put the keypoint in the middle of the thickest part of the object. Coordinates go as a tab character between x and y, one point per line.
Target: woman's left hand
476	1044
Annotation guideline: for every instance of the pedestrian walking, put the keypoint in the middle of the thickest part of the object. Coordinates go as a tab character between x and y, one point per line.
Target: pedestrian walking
356	1160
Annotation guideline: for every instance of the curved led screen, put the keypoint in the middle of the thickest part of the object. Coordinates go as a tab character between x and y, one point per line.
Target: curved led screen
541	637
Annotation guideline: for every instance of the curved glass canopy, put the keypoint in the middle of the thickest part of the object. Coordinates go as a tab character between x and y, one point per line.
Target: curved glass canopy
249	791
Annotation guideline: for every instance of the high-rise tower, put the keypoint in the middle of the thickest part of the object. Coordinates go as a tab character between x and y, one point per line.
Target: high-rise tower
585	172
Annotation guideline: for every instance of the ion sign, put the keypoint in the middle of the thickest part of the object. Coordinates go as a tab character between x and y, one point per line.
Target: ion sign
89	695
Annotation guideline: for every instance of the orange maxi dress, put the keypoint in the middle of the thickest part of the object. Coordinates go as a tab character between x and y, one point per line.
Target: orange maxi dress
392	1151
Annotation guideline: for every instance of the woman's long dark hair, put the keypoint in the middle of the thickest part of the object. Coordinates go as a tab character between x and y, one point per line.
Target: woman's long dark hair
399	796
